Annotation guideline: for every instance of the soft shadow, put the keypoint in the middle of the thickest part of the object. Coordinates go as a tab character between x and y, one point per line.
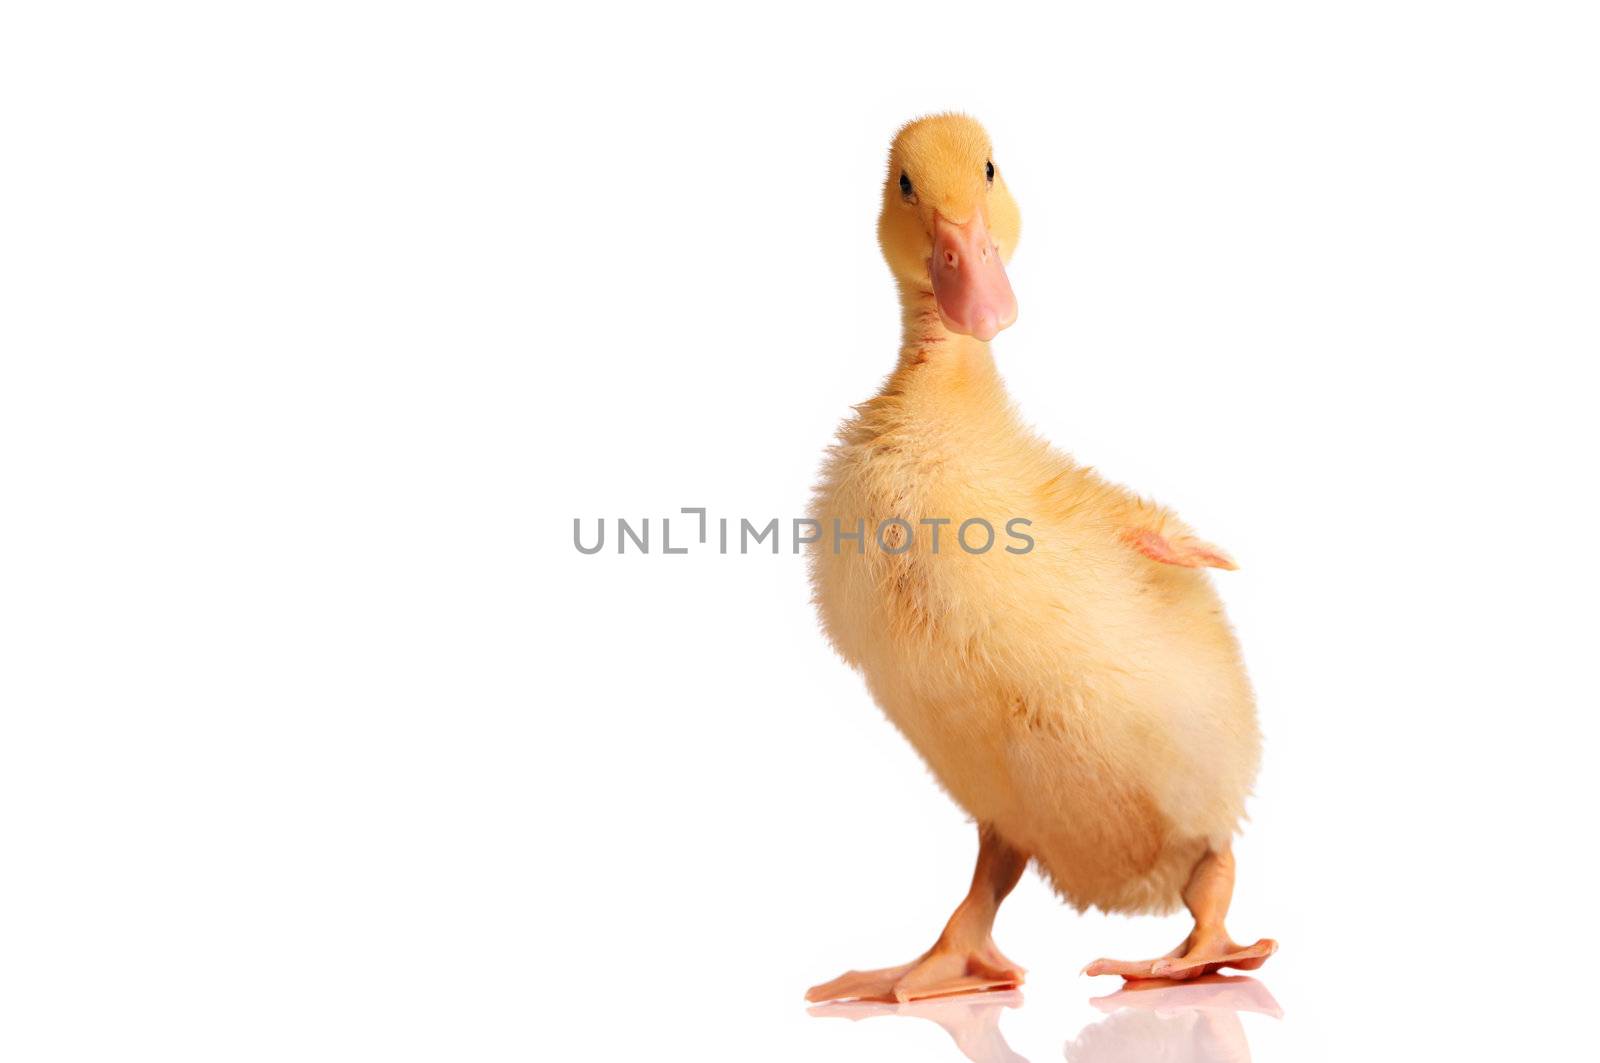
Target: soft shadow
972	1021
1175	1022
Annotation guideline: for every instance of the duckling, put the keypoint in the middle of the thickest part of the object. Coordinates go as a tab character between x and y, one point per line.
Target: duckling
1081	697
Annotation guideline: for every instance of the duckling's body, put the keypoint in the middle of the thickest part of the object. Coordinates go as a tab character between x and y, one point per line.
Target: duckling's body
1086	701
1081	697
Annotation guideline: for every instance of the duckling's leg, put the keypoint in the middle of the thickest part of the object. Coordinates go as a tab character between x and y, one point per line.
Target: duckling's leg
1208	948
964	959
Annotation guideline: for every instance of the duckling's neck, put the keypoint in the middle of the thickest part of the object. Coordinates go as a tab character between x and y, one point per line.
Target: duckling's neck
933	359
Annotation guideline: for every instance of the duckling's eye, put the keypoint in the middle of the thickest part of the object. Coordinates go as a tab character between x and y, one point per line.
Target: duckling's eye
988	172
905	185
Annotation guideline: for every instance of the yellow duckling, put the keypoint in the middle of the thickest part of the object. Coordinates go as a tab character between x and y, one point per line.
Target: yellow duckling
1074	685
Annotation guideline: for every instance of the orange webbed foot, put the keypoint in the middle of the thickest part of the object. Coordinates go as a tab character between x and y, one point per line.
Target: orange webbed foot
940	972
1183	550
1195	957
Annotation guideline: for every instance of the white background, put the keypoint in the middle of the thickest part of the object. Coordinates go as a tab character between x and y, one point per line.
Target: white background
321	323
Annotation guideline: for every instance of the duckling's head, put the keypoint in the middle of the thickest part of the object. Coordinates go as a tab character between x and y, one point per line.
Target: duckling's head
948	224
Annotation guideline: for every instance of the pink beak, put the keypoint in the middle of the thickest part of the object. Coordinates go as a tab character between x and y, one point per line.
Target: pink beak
969	281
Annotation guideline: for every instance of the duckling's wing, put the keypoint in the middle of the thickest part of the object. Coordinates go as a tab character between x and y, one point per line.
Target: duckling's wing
1184	550
1149	528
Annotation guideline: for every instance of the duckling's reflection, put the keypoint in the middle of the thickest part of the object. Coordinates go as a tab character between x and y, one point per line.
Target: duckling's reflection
1176	1022
972	1021
1181	1022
